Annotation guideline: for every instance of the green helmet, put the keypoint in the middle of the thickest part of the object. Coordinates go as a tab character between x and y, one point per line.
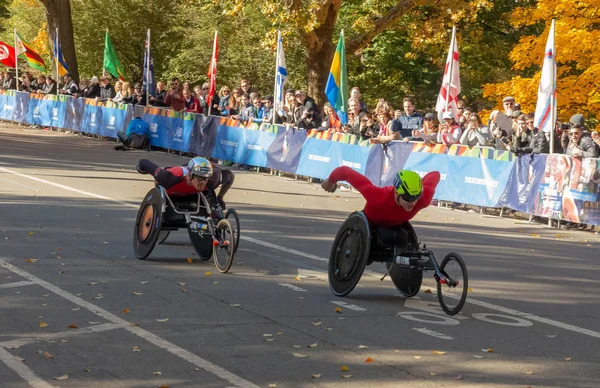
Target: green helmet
200	167
408	185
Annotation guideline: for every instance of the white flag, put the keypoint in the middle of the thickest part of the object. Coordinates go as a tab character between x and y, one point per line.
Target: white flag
545	110
280	76
448	98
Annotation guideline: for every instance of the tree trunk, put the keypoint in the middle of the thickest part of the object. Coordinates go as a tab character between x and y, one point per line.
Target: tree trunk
58	14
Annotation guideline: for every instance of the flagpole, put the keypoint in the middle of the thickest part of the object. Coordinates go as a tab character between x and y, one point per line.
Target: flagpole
147	64
553	99
103	69
451	66
56	59
16	60
275	95
212	74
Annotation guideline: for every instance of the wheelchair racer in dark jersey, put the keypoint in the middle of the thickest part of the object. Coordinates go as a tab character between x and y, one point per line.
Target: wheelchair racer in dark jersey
197	176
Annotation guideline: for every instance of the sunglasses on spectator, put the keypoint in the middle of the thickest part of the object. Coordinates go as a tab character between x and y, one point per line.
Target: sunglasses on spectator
204	88
530	123
573	133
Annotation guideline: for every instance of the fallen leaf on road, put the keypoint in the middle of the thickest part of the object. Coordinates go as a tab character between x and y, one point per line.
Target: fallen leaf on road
162	320
317	323
299	355
535	235
459	377
48	355
296	346
316	376
72	326
417	357
267	335
528	373
164	386
551	335
92	283
297	278
269	339
30	234
312	345
98	297
87	370
157	373
438	352
182	283
279	333
469	289
46	295
44	304
145	282
207	273
328	328
488	350
126	311
63	377
338	310
427	291
19	358
215	282
476	356
567	358
272	385
137	293
137	349
432	373
44	324
79	294
363	347
344	368
345	376
93	323
189	260
76	309
369	359
183	290
235	305
31	261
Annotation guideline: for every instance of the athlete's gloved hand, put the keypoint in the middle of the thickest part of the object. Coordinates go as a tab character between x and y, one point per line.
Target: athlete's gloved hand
328	186
222	203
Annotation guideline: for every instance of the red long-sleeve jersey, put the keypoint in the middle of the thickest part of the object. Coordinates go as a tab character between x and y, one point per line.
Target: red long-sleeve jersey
381	208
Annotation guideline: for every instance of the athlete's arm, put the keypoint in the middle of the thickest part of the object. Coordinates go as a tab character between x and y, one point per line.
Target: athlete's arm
430	182
168	178
360	182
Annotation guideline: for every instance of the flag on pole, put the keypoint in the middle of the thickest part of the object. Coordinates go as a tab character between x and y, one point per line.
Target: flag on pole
111	62
448	98
7	55
280	77
34	60
212	72
148	83
61	65
545	110
336	89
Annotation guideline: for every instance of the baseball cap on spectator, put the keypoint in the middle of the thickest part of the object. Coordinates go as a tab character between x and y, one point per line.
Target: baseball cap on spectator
429	116
508	99
268	98
396	125
94	79
448	115
577	120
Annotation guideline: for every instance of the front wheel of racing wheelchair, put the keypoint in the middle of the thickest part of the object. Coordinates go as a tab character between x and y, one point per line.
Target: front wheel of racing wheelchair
159	215
356	246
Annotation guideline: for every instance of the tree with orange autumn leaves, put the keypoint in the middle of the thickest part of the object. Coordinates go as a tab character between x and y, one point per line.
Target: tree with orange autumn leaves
577	56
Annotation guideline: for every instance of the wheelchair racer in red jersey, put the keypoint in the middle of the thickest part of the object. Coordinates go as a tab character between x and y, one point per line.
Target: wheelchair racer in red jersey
197	176
388	208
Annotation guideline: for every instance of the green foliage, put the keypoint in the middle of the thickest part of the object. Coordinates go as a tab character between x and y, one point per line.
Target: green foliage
4	13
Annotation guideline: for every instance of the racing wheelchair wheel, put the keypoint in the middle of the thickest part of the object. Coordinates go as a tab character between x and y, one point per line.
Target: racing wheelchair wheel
234	219
223	246
349	254
162	237
406	280
148	223
452	296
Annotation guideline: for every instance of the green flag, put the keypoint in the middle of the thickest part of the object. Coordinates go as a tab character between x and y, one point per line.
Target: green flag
111	62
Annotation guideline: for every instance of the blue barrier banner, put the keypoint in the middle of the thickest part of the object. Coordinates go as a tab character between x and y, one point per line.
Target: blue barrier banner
523	184
158	129
385	161
47	110
91	118
113	119
204	135
21	107
285	151
180	132
320	157
8	101
476	181
247	146
74	111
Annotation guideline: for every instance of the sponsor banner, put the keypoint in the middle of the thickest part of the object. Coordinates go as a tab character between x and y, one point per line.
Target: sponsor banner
242	145
474	181
113	119
74	111
320	157
21	107
385	161
91	117
523	184
204	135
7	105
179	136
285	151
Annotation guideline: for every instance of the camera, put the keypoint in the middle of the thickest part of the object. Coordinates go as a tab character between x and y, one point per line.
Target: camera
505	140
564	127
309	115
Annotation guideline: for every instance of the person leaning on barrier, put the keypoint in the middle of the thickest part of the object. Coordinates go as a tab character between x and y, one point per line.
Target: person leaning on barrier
538	143
49	87
428	133
214	110
137	98
161	93
94	89
411	119
8	82
394	134
521	135
107	91
355	116
191	102
369	128
28	83
311	114
581	146
174	97
70	86
449	132
118	91
474	134
331	122
269	111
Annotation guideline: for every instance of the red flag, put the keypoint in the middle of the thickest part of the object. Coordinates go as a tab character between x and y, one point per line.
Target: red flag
212	71
7	55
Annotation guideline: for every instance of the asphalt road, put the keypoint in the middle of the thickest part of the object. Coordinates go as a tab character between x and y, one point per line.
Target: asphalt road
77	305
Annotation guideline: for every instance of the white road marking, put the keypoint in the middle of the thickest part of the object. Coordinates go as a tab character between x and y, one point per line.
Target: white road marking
291	286
348	305
17	343
476	302
22	370
311	274
429	307
433	333
16	284
142	333
437	319
507	320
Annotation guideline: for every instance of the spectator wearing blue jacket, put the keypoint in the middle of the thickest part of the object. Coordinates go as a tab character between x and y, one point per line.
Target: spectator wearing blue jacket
136	135
411	120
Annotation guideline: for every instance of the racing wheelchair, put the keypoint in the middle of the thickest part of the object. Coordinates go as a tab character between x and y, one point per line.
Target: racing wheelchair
211	233
356	245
